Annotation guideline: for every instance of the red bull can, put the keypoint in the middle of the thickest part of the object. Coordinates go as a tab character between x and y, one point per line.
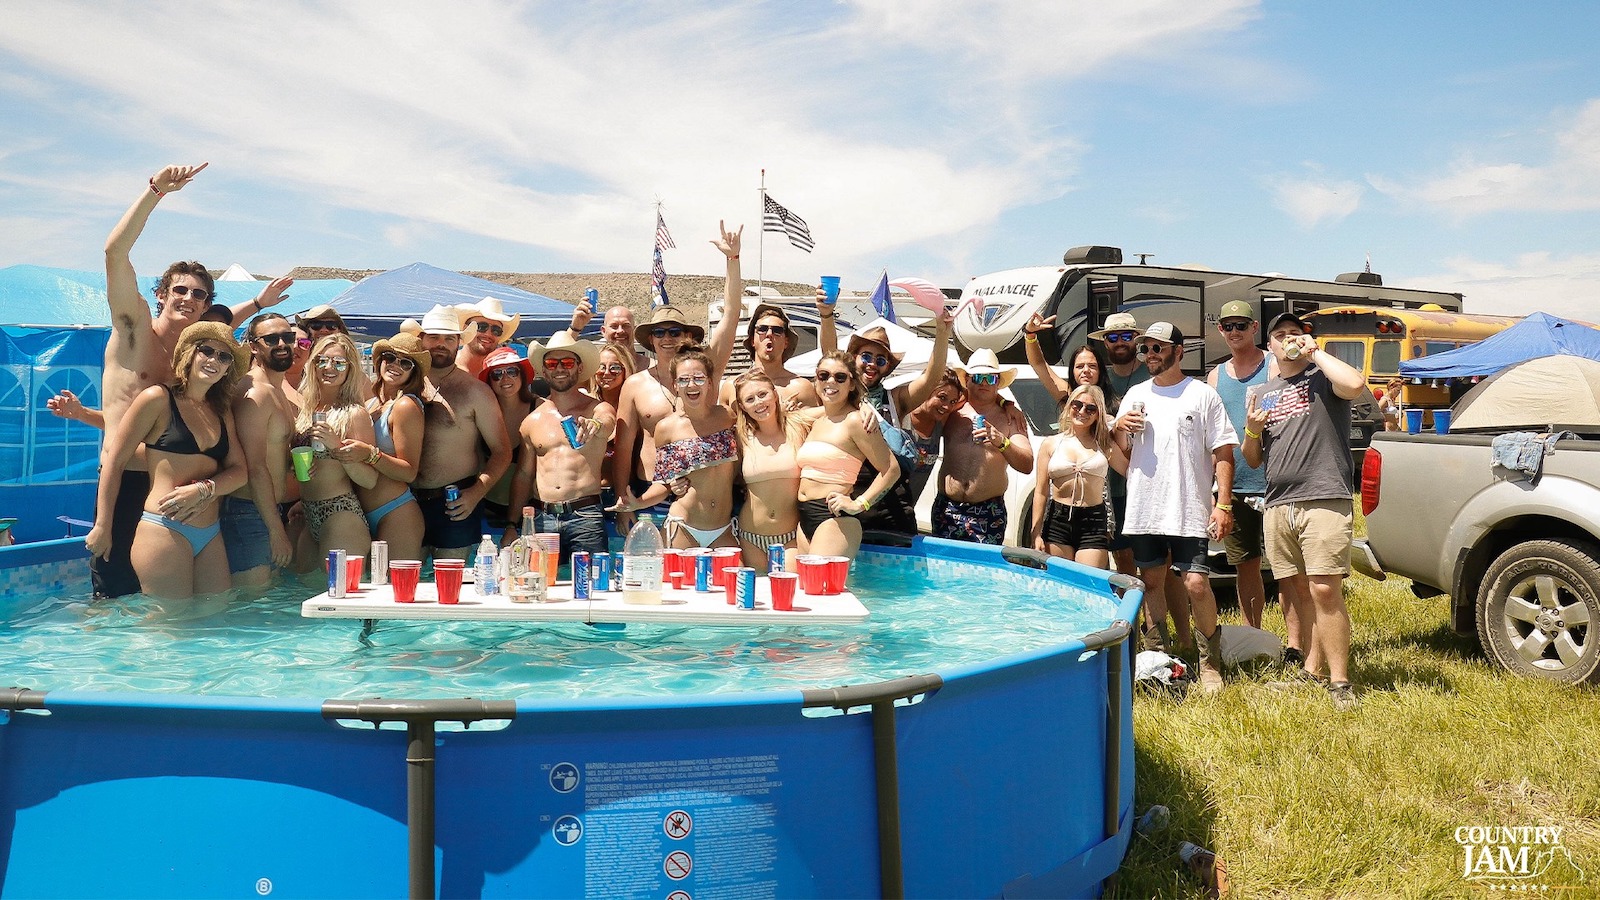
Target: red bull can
378	556
336	573
602	572
774	558
744	591
580	575
702	572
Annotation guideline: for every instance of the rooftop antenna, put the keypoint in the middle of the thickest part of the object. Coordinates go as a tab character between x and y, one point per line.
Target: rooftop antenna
1143	257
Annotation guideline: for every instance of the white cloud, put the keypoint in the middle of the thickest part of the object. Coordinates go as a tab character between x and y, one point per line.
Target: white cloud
1568	180
1567	286
1312	201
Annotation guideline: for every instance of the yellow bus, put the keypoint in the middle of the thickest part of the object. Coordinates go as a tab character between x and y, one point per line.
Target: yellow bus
1377	340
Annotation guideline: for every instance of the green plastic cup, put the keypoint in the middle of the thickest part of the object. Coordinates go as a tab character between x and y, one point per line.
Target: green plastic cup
302	463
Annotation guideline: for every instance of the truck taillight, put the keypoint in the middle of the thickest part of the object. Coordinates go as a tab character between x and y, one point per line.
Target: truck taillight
1371	480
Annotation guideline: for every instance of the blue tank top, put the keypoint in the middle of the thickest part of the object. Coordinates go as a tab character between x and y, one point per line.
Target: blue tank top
1246	480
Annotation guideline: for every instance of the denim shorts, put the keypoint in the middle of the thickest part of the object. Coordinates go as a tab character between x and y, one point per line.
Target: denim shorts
244	535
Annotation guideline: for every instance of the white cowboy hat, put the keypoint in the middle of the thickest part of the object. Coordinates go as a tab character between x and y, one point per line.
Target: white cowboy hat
490	308
984	362
441	320
588	354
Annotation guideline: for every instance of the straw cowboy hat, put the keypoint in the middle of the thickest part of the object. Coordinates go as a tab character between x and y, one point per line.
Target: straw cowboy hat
984	362
588	354
667	315
321	313
490	308
876	335
404	344
441	320
410	326
765	310
506	356
219	333
1117	322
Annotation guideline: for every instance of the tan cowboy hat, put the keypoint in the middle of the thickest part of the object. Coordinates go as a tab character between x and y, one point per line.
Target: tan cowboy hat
984	362
404	344
441	320
1117	322
506	356
410	326
765	310
319	313
218	333
876	335
588	354
490	308
666	315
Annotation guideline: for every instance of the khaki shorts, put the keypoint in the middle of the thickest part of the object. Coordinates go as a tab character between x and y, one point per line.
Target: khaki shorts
1309	538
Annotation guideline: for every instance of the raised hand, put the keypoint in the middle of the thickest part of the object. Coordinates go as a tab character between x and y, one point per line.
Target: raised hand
729	242
1037	323
1255	418
174	178
65	405
273	293
582	312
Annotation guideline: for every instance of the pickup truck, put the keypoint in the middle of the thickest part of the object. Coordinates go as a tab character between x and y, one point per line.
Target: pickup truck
1519	556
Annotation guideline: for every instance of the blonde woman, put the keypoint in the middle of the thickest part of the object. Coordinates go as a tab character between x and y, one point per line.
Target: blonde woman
184	428
771	476
333	410
1069	494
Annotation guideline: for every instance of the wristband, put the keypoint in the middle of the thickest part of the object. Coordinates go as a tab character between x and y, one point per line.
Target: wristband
1031	337
155	190
865	504
1225	507
1005	444
372	460
1252	434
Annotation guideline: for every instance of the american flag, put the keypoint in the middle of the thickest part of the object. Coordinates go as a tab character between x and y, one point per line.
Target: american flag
777	218
663	237
658	270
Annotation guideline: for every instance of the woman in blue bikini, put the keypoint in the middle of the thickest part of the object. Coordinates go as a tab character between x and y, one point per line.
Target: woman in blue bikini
182	428
697	458
397	422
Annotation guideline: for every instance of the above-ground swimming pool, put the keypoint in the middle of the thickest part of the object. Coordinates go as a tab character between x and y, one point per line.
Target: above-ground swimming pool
973	738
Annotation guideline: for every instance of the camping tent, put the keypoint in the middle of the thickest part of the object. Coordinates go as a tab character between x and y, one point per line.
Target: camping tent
1551	393
1536	336
376	305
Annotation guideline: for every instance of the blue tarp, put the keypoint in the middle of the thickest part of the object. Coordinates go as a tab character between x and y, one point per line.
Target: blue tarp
376	305
1536	336
36	447
39	295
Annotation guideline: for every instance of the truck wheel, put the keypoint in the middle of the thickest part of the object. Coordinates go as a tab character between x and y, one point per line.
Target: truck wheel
1538	608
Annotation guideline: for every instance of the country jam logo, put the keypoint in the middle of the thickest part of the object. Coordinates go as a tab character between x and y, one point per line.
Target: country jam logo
1511	856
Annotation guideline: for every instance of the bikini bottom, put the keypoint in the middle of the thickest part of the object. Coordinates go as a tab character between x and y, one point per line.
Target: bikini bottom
375	518
318	512
198	536
703	537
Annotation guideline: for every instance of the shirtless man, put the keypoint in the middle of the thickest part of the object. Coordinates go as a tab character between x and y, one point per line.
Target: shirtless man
565	480
264	410
138	355
484	327
771	341
617	327
460	413
648	396
971	504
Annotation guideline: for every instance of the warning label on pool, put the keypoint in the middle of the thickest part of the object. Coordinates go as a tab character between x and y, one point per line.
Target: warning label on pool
706	827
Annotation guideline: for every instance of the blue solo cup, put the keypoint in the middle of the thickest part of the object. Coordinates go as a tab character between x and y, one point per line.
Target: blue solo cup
1413	421
830	288
1441	421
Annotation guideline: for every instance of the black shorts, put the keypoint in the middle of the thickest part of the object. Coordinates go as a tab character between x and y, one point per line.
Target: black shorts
441	532
1078	527
1188	553
115	577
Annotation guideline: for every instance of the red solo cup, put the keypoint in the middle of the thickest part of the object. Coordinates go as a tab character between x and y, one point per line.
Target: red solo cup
352	571
671	561
730	584
723	559
783	585
813	572
403	577
838	570
447	578
675	579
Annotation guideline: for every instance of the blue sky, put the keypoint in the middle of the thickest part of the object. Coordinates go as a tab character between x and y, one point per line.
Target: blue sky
1456	143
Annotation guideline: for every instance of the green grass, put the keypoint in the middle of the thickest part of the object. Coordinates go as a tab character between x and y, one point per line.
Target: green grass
1303	801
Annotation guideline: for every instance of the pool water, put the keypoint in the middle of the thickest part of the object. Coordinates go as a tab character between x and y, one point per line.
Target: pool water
926	615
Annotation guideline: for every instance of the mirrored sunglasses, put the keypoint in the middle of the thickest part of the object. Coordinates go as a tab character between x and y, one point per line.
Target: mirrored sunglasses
329	362
985	377
561	362
873	359
1121	337
610	368
501	373
691	380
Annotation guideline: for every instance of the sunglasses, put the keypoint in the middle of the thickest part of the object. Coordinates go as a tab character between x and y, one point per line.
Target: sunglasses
1154	349
303	343
873	359
564	362
210	352
277	340
1078	406
610	369
986	378
673	332
841	377
769	329
691	380
1121	337
504	372
490	327
183	290
1235	326
405	363
320	325
328	362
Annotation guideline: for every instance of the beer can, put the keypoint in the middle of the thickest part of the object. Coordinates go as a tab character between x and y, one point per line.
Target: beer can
702	572
580	575
451	493
1292	350
977	426
593	296
336	573
378	556
569	426
616	569
602	572
744	591
774	558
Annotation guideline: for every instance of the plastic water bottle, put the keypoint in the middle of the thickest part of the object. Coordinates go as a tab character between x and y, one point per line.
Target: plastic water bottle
641	579
483	570
1154	819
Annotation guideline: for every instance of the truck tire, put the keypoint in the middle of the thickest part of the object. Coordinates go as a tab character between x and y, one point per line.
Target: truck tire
1538	608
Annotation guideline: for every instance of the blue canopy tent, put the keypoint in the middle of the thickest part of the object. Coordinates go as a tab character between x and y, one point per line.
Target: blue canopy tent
1536	336
375	306
39	295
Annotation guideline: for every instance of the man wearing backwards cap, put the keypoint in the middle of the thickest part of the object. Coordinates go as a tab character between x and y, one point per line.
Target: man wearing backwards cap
1245	369
484	327
1299	424
461	414
1177	441
649	395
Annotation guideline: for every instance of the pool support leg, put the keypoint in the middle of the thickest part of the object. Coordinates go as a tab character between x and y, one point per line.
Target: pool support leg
880	698
419	717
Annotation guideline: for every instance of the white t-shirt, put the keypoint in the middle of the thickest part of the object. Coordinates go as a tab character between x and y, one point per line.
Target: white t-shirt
1171	470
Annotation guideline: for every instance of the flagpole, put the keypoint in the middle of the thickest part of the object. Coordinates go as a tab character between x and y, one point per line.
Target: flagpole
761	238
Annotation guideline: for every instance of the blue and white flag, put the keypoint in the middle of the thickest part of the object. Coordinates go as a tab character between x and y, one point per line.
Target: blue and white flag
880	298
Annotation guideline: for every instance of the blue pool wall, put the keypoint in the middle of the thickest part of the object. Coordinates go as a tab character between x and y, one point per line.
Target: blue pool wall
58	568
1001	772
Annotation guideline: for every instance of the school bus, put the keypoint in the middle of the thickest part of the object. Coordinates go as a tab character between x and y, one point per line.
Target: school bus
1376	341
